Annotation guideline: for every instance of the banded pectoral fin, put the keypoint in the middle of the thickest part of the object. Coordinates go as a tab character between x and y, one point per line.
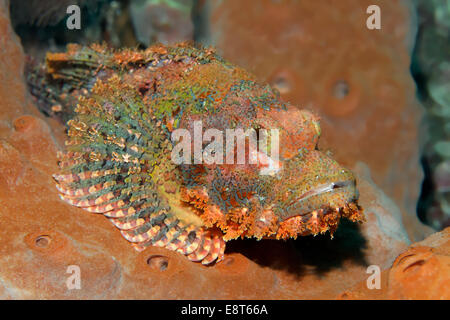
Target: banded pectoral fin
114	165
143	221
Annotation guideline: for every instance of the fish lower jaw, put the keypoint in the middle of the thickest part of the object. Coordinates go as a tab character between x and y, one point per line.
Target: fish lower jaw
318	221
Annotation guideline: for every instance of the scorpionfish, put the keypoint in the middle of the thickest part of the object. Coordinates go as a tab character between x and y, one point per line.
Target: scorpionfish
122	107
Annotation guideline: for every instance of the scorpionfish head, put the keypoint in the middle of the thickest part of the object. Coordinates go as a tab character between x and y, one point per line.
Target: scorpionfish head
311	191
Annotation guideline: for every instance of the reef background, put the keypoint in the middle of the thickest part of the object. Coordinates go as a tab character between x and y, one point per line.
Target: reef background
320	56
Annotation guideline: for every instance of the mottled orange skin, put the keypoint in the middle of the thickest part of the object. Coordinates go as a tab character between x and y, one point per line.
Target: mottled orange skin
118	152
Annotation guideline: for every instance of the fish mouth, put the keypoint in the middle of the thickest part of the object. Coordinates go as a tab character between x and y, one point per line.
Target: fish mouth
327	188
335	194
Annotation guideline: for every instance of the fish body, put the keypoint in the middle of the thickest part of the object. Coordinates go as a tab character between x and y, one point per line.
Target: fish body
123	108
